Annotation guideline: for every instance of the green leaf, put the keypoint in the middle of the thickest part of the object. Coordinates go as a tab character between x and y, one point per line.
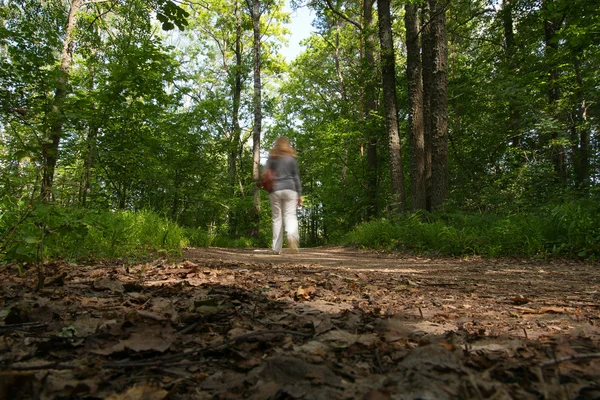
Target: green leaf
32	240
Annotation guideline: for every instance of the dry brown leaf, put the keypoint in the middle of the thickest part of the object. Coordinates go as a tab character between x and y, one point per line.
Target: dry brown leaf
526	310
114	286
520	300
305	293
555	310
141	392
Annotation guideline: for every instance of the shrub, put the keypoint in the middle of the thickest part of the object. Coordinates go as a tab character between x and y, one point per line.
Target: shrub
573	230
39	232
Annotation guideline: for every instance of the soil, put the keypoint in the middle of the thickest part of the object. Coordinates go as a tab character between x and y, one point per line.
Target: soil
326	323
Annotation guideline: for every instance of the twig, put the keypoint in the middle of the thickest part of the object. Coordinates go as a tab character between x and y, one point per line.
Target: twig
224	343
189	328
576	357
420	312
441	284
23	327
52	365
378	361
541	378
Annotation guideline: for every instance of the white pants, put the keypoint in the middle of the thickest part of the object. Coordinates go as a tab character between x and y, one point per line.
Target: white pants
283	207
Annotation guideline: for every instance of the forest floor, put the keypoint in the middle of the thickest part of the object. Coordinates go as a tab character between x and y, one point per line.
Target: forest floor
327	323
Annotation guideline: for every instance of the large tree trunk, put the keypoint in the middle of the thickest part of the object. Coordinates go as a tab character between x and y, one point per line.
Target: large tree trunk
90	146
234	144
56	116
551	25
342	85
427	76
580	132
514	116
88	163
370	107
415	109
439	104
388	73
256	130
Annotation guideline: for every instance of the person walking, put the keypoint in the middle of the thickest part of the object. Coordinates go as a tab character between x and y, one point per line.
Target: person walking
286	194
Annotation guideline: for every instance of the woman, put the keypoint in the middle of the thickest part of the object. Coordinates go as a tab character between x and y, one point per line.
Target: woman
286	194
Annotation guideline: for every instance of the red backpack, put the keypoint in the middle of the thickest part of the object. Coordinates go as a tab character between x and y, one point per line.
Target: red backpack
268	180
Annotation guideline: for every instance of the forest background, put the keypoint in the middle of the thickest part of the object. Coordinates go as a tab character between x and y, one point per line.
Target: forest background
132	128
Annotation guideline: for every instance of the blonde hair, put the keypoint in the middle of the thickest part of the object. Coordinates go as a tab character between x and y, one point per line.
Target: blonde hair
282	148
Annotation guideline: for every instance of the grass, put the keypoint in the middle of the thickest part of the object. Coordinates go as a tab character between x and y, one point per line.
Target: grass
46	232
571	230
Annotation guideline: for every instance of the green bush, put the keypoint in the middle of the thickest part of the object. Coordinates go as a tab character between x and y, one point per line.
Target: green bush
199	237
40	232
572	230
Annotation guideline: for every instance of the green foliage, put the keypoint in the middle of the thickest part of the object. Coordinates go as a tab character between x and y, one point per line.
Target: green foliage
573	231
41	232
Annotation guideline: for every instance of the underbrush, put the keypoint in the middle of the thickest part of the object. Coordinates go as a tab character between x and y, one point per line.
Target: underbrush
41	232
38	232
200	237
567	230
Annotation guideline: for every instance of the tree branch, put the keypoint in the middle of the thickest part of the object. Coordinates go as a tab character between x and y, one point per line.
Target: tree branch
342	16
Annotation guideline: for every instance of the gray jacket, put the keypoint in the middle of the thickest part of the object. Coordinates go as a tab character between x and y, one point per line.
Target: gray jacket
286	173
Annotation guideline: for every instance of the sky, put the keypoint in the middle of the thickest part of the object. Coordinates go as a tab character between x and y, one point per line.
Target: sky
300	28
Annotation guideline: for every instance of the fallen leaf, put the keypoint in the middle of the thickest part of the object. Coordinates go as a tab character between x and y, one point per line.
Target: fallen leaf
114	286
554	310
141	392
305	293
520	300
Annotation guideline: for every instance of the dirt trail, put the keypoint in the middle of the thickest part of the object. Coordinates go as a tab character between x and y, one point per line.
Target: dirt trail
504	295
327	323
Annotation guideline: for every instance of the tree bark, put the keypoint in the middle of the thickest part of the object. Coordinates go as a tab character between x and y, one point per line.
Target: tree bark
390	103
514	116
342	85
234	145
88	162
369	108
256	130
415	109
580	132
56	116
551	25
439	105
90	147
427	76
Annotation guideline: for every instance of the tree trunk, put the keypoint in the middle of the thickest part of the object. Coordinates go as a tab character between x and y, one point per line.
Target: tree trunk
88	162
439	105
370	107
234	145
551	25
342	85
56	116
427	76
90	147
415	109
176	196
580	132
388	74
256	130
514	116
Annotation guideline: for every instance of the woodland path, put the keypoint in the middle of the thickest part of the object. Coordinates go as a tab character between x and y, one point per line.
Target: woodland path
327	323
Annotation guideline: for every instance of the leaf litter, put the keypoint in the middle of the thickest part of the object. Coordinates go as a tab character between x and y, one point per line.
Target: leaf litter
328	323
